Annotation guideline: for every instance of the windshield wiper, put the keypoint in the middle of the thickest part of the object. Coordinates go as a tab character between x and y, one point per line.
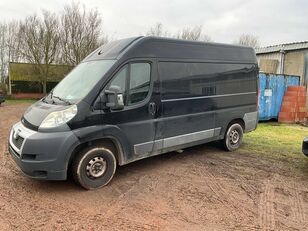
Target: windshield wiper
48	99
61	99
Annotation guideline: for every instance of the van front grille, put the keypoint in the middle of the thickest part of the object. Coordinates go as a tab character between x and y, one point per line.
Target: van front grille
17	141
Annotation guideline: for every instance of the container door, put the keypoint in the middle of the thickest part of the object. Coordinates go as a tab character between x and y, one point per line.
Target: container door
262	97
268	84
278	95
272	90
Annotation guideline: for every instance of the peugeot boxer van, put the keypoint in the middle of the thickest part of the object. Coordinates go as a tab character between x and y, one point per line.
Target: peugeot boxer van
135	98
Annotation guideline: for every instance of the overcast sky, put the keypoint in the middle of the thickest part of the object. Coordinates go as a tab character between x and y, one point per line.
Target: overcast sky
273	21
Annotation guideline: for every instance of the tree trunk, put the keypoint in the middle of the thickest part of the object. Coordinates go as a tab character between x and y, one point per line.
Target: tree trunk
44	87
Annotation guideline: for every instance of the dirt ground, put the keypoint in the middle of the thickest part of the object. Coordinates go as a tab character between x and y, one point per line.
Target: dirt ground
203	188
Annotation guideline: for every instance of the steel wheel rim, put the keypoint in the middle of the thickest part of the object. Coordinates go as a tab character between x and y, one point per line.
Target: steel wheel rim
234	137
96	167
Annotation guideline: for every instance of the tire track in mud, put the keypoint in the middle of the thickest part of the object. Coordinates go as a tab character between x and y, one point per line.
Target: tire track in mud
220	193
289	204
236	177
266	207
248	188
224	197
15	213
299	213
135	197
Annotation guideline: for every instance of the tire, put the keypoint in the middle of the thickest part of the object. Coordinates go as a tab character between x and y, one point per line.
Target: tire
94	167
233	137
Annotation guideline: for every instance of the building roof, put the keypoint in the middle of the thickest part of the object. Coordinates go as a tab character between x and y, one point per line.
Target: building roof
284	47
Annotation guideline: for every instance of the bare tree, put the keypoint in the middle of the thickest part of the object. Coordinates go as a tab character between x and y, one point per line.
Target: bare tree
157	30
37	39
194	33
3	55
40	43
9	46
248	40
13	41
80	33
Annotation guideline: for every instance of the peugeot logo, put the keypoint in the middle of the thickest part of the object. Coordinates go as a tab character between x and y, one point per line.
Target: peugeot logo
16	134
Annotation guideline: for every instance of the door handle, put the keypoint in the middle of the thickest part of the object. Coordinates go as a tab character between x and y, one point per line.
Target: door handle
152	108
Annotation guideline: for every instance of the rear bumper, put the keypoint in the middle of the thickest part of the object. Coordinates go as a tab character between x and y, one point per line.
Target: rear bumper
42	155
305	146
251	121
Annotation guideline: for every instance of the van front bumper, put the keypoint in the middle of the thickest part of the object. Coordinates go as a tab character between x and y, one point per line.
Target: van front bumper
41	155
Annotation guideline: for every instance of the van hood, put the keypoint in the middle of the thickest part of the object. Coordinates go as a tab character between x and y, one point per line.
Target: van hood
37	112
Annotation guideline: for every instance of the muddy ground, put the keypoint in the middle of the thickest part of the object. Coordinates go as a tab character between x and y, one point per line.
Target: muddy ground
203	188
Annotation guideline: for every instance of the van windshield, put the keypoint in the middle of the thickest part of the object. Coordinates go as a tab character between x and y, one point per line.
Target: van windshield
80	81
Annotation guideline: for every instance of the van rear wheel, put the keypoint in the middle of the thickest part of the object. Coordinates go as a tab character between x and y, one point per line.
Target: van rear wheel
234	137
94	167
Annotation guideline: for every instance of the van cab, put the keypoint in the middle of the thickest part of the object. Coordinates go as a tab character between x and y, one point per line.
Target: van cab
135	98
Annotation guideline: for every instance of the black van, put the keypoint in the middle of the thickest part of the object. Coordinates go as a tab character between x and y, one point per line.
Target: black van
135	98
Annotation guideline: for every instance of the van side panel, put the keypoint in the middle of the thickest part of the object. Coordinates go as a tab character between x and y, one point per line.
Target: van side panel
239	106
182	80
199	99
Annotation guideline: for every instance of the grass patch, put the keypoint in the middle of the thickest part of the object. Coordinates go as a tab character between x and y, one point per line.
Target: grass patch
276	139
18	101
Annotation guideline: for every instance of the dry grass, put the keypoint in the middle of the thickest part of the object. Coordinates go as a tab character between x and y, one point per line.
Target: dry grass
277	140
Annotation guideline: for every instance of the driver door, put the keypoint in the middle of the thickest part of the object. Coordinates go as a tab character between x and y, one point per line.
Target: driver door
137	119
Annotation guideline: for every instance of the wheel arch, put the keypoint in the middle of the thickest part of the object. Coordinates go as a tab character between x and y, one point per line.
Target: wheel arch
233	121
237	120
109	141
109	134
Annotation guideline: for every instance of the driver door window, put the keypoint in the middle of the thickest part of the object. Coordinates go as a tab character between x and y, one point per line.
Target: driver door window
134	80
139	84
120	81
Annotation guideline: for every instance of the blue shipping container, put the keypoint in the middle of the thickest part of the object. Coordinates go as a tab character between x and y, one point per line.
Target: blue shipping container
272	89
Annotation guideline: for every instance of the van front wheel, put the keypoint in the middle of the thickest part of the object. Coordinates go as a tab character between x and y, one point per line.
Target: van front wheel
234	137
94	167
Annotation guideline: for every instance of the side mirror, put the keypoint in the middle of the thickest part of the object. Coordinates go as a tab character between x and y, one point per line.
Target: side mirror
115	99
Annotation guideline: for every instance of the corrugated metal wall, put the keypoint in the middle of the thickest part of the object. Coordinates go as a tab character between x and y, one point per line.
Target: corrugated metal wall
273	56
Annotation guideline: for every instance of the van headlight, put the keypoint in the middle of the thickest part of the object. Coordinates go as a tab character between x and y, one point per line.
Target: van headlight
57	118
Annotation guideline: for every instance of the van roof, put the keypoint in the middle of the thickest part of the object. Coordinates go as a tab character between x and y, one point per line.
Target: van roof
167	48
